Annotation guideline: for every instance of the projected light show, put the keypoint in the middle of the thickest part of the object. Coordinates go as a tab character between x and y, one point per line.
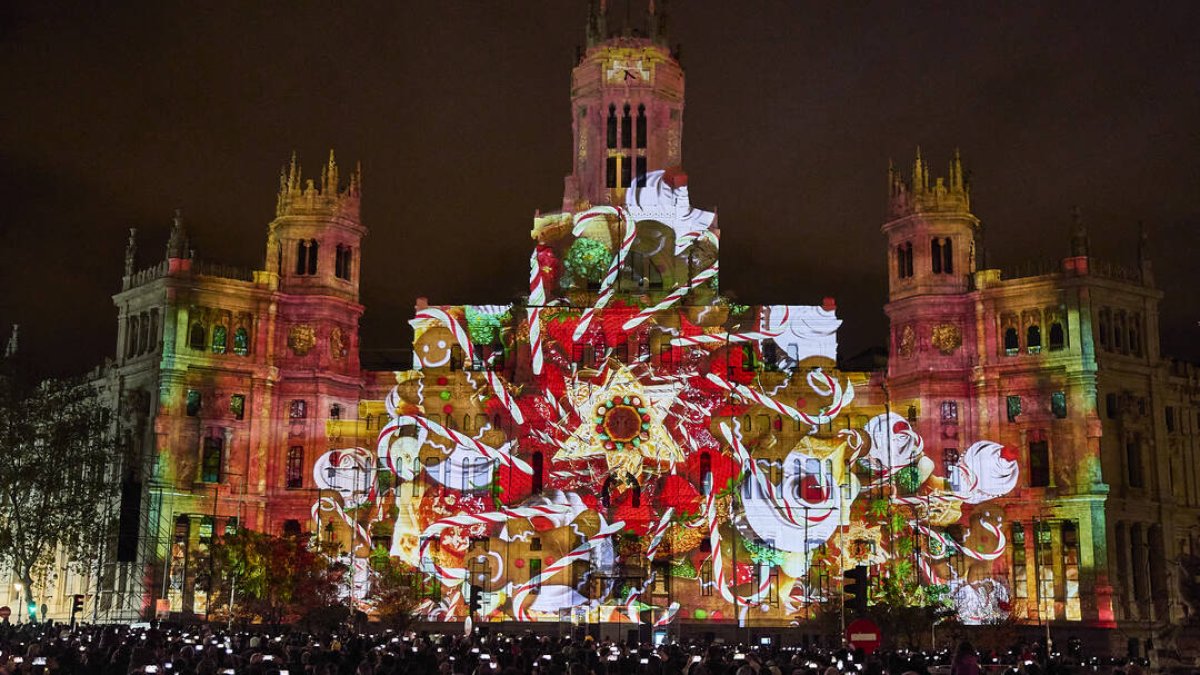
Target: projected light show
660	452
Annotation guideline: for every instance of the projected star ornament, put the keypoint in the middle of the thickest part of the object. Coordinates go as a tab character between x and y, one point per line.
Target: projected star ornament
623	422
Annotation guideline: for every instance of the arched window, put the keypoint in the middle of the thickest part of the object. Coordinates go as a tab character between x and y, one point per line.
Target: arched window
1033	338
908	259
612	126
1011	341
1135	334
241	342
302	256
706	477
641	126
341	262
935	255
947	256
900	266
196	338
153	333
1104	320
1119	331
626	128
218	339
312	256
539	467
1058	339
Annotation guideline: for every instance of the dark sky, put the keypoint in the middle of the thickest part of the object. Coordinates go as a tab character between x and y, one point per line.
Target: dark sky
115	114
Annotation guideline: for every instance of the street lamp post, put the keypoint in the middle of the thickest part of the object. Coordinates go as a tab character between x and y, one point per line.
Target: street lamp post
20	600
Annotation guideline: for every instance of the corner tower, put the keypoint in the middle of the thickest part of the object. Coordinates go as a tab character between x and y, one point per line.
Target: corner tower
931	232
626	108
314	243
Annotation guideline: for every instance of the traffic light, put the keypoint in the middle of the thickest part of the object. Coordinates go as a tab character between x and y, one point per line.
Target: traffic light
854	585
474	599
32	607
76	607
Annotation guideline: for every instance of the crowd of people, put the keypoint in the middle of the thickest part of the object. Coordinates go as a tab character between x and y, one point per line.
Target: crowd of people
94	650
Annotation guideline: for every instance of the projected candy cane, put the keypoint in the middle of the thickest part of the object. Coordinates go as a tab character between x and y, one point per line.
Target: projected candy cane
674	297
668	616
580	552
608	285
947	541
658	532
832	388
489	518
717	339
500	454
733	437
537	300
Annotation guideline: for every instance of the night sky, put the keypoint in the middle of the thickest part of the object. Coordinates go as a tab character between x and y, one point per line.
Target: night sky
115	114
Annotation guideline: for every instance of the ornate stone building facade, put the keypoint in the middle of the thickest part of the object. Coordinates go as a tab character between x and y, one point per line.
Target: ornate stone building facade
629	445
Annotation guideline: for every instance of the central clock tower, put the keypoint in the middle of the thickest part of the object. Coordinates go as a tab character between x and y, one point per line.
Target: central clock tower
626	110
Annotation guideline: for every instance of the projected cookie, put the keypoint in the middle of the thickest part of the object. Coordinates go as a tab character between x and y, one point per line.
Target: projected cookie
435	347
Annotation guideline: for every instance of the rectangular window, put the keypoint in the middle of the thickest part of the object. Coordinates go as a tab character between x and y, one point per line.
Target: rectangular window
706	578
1070	554
535	543
535	571
1044	547
237	406
1058	404
295	467
662	576
641	167
610	172
193	402
1133	460
231	526
210	465
1170	413
1039	464
335	411
950	459
1110	406
950	412
1014	408
1020	574
206	529
298	409
626	170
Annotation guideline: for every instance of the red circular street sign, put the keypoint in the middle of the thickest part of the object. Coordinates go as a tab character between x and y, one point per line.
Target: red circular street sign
5	612
863	634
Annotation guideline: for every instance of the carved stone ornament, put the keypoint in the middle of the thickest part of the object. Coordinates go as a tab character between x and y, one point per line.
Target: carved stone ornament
301	338
946	338
337	343
908	341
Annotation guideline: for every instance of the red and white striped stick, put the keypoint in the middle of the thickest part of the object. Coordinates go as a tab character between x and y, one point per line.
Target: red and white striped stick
501	455
719	338
659	530
674	297
833	388
537	300
579	553
608	285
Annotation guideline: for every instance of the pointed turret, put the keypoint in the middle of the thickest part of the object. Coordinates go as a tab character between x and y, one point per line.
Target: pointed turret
177	244
130	251
1079	235
924	192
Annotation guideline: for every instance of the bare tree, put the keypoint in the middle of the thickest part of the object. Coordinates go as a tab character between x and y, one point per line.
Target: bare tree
56	451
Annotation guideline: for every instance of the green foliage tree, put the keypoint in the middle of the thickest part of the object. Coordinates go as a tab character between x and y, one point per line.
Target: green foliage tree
276	579
56	476
395	590
904	608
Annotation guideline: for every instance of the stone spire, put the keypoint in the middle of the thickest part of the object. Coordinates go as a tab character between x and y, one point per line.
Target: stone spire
1079	235
130	251
177	244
